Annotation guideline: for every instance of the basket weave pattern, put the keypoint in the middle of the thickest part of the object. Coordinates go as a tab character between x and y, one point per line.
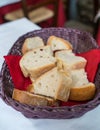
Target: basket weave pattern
81	42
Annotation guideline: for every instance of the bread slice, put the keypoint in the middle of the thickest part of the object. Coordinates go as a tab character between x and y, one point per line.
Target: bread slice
25	97
68	61
31	43
58	43
82	93
81	88
54	83
79	77
38	61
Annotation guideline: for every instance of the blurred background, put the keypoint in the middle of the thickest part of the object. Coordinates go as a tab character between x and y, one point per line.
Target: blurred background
79	14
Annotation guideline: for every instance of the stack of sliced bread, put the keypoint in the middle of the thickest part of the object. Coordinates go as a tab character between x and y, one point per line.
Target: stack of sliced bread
57	74
81	88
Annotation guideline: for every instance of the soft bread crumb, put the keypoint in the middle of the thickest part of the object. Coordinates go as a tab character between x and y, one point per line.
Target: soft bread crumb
31	43
54	83
79	78
68	61
81	88
36	62
58	43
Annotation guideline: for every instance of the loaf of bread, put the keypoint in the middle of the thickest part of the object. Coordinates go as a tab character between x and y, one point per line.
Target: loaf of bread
31	43
32	99
58	43
68	61
81	88
38	61
54	83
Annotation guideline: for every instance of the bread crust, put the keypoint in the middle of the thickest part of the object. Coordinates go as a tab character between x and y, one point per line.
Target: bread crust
82	93
67	45
24	48
64	89
38	72
32	99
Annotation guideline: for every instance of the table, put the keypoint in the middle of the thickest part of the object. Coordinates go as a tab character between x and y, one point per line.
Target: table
10	119
9	33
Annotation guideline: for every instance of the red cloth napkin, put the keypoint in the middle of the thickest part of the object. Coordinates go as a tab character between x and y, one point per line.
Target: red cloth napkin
20	82
93	60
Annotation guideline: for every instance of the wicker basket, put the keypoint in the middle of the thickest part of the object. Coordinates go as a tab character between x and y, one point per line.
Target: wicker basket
81	42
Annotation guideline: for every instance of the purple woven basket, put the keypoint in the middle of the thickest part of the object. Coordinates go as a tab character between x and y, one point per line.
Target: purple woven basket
81	42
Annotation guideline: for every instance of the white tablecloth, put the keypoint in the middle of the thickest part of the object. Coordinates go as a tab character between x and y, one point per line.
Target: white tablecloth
9	33
11	119
7	2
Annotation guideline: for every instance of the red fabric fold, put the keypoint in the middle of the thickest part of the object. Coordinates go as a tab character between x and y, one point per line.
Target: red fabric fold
20	82
93	60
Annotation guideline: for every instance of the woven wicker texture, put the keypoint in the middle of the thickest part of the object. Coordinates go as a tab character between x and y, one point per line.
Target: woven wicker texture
81	42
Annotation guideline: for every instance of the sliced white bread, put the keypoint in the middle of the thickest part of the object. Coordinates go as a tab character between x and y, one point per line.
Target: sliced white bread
58	43
54	83
36	62
68	61
32	99
32	79
81	88
31	43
